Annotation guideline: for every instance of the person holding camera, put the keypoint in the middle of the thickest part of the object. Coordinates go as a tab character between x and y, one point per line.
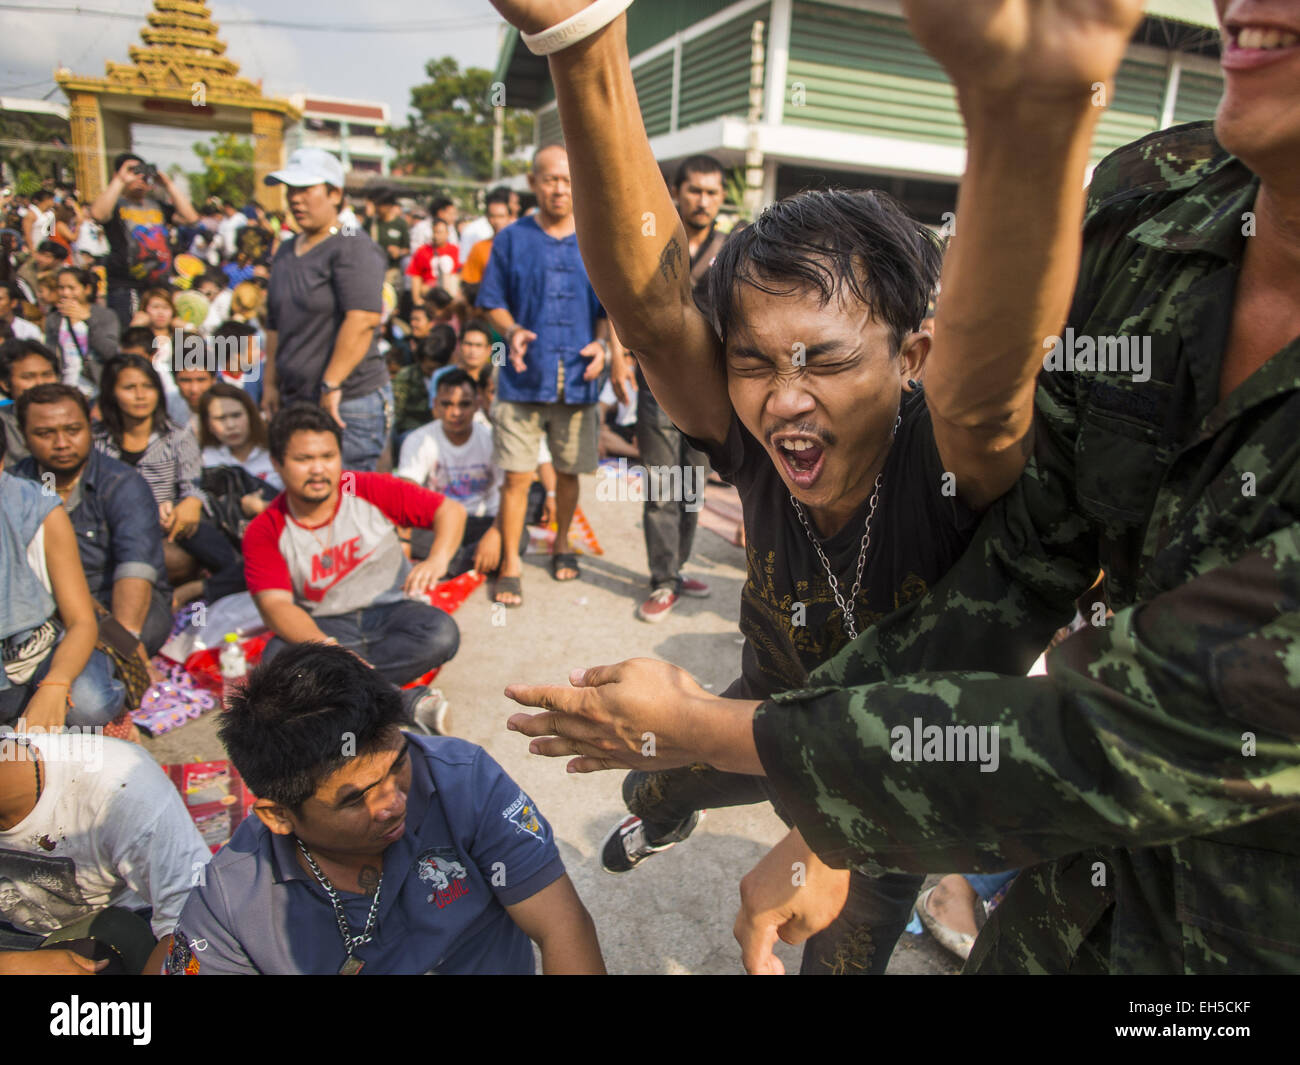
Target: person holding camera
136	223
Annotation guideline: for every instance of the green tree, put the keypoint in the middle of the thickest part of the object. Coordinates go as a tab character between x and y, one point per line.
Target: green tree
227	169
35	145
449	127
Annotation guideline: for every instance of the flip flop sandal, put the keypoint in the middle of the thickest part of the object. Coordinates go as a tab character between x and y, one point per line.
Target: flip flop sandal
511	586
958	943
565	560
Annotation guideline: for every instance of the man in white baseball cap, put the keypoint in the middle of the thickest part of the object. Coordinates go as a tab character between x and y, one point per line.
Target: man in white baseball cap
309	166
323	308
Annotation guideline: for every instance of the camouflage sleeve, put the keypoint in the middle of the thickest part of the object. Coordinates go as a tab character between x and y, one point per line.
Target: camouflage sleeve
1177	718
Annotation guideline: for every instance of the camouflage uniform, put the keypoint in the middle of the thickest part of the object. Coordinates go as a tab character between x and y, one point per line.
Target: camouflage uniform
1149	784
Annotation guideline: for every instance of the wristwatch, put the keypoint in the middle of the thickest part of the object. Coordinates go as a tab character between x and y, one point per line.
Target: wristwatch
326	388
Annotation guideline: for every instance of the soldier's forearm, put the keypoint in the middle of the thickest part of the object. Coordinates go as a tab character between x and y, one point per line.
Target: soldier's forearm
1161	724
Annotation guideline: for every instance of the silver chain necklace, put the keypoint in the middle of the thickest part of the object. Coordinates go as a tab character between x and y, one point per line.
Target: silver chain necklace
846	607
351	966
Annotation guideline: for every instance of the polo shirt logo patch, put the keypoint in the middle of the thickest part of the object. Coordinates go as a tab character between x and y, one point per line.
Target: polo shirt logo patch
442	870
523	815
181	962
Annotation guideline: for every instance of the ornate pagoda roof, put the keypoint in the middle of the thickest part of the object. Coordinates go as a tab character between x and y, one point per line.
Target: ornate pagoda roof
180	51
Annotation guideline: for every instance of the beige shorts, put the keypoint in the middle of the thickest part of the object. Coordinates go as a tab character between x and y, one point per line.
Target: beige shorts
571	432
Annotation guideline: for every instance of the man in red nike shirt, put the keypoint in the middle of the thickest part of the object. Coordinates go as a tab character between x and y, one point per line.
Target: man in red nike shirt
434	265
324	561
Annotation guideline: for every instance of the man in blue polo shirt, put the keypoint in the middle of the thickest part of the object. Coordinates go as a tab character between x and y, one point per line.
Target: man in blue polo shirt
536	295
373	851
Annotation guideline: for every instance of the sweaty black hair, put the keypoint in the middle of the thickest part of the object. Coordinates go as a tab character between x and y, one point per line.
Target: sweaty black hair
304	715
863	244
299	418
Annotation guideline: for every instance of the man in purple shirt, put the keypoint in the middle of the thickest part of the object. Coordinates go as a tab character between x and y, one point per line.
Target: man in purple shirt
537	296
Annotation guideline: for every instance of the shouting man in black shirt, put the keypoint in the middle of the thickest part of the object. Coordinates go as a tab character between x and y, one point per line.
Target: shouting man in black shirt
859	491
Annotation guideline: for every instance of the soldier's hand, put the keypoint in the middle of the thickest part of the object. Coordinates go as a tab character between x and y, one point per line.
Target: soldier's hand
1050	50
790	895
638	714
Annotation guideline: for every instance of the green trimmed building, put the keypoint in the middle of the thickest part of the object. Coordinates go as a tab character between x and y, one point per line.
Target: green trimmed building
849	98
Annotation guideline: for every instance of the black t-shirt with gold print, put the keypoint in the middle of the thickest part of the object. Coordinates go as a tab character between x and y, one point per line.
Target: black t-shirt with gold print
919	531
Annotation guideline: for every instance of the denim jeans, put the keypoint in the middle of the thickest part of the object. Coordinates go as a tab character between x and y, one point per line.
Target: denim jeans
401	641
463	560
859	941
209	546
369	422
96	694
987	885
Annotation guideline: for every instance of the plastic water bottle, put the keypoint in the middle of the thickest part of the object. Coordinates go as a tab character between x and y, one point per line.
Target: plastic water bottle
234	666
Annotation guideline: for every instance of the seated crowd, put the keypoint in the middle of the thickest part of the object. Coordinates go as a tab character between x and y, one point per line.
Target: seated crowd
115	513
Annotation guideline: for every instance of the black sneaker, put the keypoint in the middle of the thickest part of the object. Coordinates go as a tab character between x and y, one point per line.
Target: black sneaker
626	846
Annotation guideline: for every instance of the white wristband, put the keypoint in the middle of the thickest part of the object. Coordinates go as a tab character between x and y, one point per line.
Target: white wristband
575	28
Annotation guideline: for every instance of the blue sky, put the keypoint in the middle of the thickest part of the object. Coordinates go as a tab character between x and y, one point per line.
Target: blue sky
335	62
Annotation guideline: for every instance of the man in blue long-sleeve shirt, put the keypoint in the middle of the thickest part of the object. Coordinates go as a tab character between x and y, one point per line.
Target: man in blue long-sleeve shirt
537	295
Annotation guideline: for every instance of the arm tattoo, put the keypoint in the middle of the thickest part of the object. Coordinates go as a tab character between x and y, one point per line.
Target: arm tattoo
369	878
670	261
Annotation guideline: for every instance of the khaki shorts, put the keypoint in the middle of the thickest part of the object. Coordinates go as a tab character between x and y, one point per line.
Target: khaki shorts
571	432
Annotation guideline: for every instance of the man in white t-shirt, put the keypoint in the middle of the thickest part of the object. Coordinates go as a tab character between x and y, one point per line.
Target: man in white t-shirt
453	455
232	221
38	221
97	853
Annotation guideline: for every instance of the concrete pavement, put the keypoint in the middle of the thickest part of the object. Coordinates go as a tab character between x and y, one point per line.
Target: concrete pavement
674	914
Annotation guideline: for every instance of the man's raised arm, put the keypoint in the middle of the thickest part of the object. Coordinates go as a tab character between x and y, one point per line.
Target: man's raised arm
633	243
1028	78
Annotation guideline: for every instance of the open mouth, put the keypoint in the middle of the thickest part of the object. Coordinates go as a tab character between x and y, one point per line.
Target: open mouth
1248	46
803	458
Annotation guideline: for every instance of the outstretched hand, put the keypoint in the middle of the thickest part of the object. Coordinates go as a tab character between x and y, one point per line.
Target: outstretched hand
638	714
